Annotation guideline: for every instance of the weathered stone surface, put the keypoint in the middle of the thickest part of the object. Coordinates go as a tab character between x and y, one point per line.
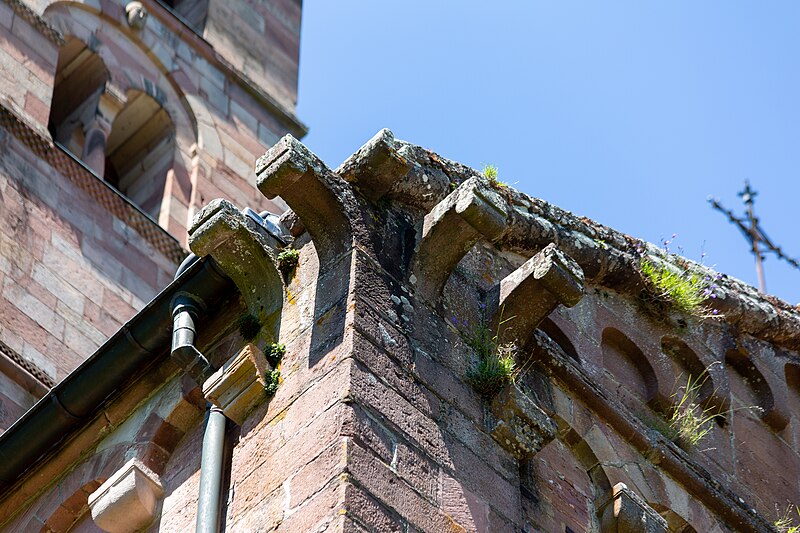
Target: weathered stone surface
471	212
376	166
625	512
244	250
518	424
291	171
530	293
127	501
374	425
238	386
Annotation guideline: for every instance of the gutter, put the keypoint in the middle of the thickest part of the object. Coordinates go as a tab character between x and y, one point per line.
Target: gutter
139	345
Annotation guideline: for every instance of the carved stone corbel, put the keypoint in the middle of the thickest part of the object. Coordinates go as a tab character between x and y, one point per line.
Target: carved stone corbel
127	501
244	250
238	386
376	166
625	512
471	212
312	190
529	294
520	426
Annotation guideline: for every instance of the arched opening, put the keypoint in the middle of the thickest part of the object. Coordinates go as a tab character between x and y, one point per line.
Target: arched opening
140	151
128	140
80	80
687	367
749	386
629	373
559	337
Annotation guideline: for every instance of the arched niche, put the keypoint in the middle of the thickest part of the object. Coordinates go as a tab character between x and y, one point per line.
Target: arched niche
80	80
135	82
686	367
752	389
549	328
632	374
140	151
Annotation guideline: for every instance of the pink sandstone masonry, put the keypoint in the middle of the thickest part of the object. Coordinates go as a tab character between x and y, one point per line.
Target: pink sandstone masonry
375	427
81	251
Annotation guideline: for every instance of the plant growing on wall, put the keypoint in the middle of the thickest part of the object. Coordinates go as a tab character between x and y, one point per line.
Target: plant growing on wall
274	353
249	326
786	523
273	380
490	173
287	261
690	422
496	366
670	282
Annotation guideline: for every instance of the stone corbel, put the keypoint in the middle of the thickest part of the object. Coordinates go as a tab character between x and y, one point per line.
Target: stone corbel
314	193
376	166
127	502
239	385
520	426
244	250
529	294
471	212
625	512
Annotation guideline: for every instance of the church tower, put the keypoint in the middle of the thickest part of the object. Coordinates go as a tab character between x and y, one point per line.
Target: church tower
118	121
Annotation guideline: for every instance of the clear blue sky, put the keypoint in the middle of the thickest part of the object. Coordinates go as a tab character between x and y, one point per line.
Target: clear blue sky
630	113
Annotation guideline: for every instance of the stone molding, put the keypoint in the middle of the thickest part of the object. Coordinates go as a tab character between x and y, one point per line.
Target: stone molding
128	501
238	386
625	512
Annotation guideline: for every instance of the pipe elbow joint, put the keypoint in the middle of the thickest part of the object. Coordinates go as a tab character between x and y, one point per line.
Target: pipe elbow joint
191	360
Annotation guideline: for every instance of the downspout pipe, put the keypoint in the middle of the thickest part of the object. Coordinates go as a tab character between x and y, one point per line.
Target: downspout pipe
209	501
140	344
185	310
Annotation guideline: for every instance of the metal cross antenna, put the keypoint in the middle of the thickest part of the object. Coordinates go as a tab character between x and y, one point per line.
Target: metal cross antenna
753	233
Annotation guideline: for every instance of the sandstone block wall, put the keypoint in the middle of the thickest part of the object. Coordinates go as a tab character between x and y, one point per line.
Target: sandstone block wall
77	259
71	272
375	425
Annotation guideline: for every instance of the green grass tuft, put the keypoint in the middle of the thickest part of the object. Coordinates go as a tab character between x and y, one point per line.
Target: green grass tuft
683	290
496	366
786	524
494	371
490	173
690	422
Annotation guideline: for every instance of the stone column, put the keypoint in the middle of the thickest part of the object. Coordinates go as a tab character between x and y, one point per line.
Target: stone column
94	146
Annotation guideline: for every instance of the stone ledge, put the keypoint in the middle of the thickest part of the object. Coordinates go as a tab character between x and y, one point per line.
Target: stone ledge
238	386
127	501
625	512
519	425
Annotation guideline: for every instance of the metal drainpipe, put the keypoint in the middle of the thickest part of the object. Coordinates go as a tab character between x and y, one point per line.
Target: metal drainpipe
209	501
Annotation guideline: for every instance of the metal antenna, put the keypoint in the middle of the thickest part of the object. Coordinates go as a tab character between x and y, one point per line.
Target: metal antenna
753	233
